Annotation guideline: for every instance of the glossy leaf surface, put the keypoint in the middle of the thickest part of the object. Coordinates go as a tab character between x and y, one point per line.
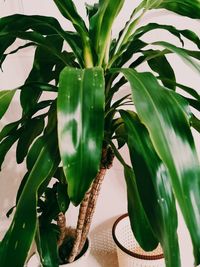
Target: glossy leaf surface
32	129
189	8
7	143
20	235
80	127
190	35
166	116
162	66
5	98
68	10
17	26
47	244
41	72
9	129
186	55
34	152
101	24
140	224
154	188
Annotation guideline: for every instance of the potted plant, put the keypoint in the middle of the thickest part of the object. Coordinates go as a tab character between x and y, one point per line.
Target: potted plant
72	137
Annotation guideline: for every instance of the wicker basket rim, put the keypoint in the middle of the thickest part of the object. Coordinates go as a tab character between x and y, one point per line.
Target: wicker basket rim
127	251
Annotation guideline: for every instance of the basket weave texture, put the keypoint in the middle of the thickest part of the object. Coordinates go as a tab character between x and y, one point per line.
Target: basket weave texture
129	252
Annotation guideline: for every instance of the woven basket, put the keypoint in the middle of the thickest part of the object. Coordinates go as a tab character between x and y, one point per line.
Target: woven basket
129	253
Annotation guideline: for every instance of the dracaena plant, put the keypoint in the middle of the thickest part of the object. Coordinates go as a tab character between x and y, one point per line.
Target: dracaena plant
74	136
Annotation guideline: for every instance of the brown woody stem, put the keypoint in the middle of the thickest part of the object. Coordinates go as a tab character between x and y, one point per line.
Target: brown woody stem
79	227
88	205
61	222
91	206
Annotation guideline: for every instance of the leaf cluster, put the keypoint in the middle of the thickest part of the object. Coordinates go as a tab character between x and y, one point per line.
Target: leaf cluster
61	139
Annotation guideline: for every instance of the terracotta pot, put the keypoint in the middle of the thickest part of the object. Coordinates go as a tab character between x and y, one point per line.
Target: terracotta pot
129	253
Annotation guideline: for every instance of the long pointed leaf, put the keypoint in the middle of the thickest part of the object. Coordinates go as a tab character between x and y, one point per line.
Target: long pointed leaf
189	8
9	129
140	224
42	71
22	230
18	25
32	129
164	113
101	24
186	55
80	107
5	98
185	88
47	244
190	35
154	187
7	143
68	10
162	66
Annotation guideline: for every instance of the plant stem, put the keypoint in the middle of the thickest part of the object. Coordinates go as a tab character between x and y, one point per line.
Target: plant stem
91	206
88	204
79	227
61	222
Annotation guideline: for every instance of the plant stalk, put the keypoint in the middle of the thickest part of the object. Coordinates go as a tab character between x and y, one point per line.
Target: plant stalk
91	206
88	205
61	222
79	227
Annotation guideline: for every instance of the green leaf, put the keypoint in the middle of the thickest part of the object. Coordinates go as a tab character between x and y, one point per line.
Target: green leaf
190	35
32	129
62	197
139	221
4	44
42	72
91	10
7	143
195	123
185	88
17	26
101	25
154	188
162	66
41	85
9	129
120	132
133	47
165	114
134	39
68	10
183	53
15	51
20	235
21	186
5	98
44	61
193	103
47	244
80	106
189	8
34	152
49	208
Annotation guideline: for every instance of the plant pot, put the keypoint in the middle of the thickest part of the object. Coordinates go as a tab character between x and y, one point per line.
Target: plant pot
81	261
129	252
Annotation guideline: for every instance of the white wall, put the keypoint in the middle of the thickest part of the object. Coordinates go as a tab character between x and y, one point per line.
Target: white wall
112	200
